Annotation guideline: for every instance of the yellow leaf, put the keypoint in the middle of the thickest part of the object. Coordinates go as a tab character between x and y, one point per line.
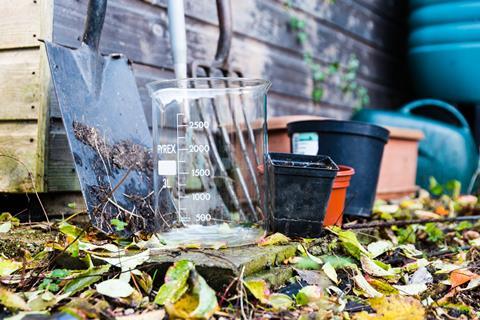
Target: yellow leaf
12	301
394	307
276	238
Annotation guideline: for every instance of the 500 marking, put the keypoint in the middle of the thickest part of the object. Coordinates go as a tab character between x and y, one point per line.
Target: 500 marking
203	217
201	196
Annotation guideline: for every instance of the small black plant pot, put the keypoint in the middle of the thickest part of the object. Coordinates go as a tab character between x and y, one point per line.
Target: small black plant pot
299	188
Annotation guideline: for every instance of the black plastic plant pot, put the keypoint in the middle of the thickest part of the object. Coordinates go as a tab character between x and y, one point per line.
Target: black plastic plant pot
299	188
351	143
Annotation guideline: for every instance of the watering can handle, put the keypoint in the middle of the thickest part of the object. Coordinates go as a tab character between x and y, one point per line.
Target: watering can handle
224	12
408	108
94	23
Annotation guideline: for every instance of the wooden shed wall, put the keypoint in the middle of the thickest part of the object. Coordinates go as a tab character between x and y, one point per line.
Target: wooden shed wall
24	81
263	46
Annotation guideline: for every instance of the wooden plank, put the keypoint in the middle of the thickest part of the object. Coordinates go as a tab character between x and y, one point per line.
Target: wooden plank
20	23
19	84
140	31
144	39
394	10
60	174
17	156
45	83
355	21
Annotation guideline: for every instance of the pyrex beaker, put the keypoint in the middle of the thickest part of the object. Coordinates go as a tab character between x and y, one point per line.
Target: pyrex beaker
209	136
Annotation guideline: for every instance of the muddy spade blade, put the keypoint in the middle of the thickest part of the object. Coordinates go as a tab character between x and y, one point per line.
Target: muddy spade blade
106	130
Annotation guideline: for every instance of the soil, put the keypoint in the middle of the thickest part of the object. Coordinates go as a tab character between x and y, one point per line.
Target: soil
131	200
123	155
14	243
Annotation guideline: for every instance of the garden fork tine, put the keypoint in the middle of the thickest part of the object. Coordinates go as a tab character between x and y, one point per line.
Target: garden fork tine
221	63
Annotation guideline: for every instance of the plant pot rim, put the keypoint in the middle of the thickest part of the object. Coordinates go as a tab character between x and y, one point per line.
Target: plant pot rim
344	127
405	134
280	122
344	174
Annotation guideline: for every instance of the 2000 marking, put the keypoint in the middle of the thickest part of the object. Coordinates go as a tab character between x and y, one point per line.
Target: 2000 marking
201	172
203	217
201	196
198	148
199	124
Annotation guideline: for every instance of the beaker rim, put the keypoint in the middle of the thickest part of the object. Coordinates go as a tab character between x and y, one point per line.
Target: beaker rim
235	84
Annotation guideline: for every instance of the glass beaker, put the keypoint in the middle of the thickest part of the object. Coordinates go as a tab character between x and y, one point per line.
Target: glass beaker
209	135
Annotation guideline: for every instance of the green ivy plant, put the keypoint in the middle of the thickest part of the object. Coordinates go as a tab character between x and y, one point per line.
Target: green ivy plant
320	74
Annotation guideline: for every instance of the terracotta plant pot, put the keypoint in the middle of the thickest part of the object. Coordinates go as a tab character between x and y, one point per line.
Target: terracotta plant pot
399	164
278	139
336	204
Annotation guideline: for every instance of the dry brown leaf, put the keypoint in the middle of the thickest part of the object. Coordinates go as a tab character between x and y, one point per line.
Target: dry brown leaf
461	276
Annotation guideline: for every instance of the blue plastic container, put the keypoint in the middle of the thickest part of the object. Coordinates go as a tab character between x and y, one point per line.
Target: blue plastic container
448	150
447	71
445	12
445	34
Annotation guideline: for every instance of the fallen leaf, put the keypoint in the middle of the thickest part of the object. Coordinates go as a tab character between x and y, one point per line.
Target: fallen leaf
330	272
274	239
7	266
5	227
461	276
387	208
467	200
149	315
309	294
280	301
373	269
12	301
349	241
440	210
381	286
394	307
378	248
200	302
415	265
258	288
423	214
306	263
42	301
339	262
411	289
84	279
421	276
367	289
175	282
474	283
314	278
114	288
445	267
126	263
70	230
24	315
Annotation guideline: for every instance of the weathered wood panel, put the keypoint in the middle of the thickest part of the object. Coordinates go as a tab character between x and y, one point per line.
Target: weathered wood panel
263	47
60	173
20	23
17	156
24	101
19	84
